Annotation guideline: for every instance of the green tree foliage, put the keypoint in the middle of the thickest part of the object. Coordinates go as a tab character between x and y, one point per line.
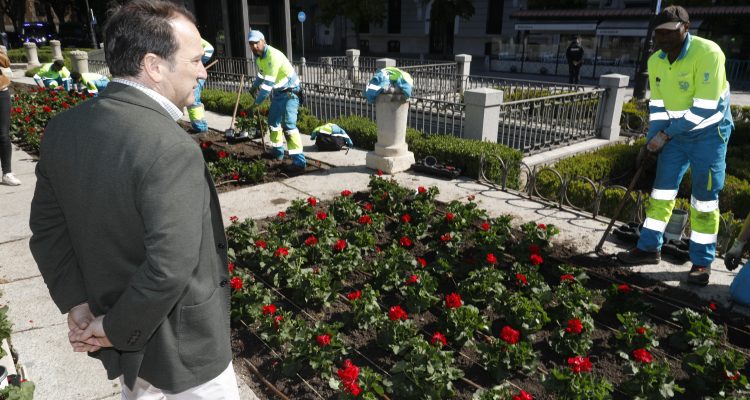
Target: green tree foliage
359	12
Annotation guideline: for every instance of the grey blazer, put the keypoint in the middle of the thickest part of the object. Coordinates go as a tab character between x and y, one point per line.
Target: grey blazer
125	217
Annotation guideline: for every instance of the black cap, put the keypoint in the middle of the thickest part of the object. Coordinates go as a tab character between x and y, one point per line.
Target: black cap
671	17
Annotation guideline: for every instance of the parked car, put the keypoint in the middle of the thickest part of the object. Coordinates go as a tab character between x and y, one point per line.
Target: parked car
38	32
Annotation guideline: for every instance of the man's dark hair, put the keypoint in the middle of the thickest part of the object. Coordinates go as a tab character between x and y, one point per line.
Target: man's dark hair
137	28
58	65
75	76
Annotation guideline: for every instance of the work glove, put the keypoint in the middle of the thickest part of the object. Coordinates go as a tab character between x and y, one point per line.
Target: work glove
733	257
657	142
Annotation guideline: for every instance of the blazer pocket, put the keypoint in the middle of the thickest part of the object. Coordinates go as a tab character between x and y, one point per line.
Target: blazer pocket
199	330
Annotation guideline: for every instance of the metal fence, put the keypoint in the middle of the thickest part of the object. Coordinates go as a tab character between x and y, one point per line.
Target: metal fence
99	67
327	102
738	73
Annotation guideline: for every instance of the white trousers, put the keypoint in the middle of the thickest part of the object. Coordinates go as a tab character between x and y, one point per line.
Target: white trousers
223	387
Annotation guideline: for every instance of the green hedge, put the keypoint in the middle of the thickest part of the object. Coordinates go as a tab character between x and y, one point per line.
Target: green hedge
44	54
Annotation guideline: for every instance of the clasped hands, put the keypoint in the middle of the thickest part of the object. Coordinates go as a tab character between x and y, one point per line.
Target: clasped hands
86	330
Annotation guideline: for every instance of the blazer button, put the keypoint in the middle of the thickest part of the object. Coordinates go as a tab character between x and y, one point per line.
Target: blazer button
224	283
220	245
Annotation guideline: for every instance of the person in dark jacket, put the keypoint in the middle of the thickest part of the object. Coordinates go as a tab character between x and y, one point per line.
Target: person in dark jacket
574	54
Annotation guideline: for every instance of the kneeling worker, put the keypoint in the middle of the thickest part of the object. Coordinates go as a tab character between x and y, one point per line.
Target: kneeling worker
53	75
88	81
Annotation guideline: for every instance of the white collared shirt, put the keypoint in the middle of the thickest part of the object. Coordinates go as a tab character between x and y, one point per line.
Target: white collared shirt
174	111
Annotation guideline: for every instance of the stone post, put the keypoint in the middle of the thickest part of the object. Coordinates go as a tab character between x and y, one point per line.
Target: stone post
391	153
31	55
381	63
482	114
352	64
302	66
56	49
463	68
80	61
611	111
328	73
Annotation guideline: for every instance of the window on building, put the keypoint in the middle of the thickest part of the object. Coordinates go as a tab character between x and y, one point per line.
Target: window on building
394	16
495	17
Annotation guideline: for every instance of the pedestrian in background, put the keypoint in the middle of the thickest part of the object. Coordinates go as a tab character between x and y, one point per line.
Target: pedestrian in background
6	147
574	54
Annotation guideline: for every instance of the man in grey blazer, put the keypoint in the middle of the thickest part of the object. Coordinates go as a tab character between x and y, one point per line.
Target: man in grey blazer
127	229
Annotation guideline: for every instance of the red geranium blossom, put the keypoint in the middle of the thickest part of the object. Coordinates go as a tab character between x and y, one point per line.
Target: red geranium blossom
624	288
641	330
521	279
421	189
321	215
380	172
732	376
230	267
349	375
446	238
243	114
281	251
412	279
312	201
523	395
235	176
311	241
222	154
236	283
405	241
234	219
261	244
396	313
491	259
542	226
438	337
567	278
367	207
712	306
485	226
269	309
47	109
281	215
509	335
579	364
450	217
340	245
453	300
346	193
205	145
365	220
405	219
534	249
643	356
354	295
422	261
574	326
535	259
323	340
276	320
471	197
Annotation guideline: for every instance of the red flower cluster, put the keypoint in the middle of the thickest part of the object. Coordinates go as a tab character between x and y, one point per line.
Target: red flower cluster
453	300
281	252
405	241
535	249
367	207
732	376
641	330
323	340
449	217
230	267
236	283
276	320
643	356
312	201
580	364
446	238
712	306
421	189
567	278
243	114
321	216
365	220
412	279
438	337
346	193
523	395
354	295
422	261
340	245
281	215
485	226
396	313
491	259
349	376
222	154
471	197
260	244
509	335
542	227
269	309
535	259
311	241
574	326
624	288
405	219
521	280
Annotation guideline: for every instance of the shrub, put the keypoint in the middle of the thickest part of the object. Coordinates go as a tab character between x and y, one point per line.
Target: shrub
44	54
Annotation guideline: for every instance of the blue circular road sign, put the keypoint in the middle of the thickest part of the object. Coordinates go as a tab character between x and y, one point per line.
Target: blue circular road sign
301	16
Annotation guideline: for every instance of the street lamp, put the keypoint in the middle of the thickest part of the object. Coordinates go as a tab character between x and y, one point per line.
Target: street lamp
641	72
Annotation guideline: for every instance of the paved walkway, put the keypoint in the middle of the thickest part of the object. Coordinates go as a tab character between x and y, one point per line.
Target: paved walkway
39	331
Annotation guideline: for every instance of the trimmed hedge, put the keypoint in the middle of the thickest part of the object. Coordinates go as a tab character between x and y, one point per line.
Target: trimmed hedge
44	54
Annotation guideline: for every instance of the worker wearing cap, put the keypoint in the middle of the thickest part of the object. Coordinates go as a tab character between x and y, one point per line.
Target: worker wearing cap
53	75
690	124
88	81
197	112
277	78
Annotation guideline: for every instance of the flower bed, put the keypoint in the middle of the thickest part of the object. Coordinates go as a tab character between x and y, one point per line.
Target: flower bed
390	294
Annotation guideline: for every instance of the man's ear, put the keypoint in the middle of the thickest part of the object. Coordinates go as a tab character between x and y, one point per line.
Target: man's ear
153	67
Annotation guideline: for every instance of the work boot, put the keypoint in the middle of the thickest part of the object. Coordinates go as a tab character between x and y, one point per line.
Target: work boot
699	275
294	169
637	256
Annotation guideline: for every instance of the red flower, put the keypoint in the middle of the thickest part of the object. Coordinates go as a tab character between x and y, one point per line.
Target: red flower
235	176
349	375
281	251
579	364
281	215
405	241
312	201
643	356
323	340
412	279
340	245
47	109
396	313
567	278
346	193
523	395
521	280
321	216
491	259
422	261
509	335
269	309
222	154
574	326
261	244
446	238
65	105
485	226
732	376
406	218
236	283
624	288
542	227
367	207
641	330
243	114
234	219
712	306
205	145
535	259
438	337
276	320
311	241
449	217
453	300
421	189
230	267
534	249
365	220
380	172
471	197
354	295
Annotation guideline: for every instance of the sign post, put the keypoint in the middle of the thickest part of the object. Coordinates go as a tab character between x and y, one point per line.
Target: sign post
301	18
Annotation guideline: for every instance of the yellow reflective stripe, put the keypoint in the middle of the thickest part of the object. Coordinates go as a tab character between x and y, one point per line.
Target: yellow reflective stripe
705	103
654	225
704	206
656	103
702	238
664	194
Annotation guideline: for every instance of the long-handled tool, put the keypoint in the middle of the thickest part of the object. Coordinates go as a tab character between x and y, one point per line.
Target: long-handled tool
261	131
230	133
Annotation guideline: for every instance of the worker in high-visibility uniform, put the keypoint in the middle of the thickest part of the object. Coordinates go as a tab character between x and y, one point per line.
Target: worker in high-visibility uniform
197	112
277	78
690	124
88	81
53	75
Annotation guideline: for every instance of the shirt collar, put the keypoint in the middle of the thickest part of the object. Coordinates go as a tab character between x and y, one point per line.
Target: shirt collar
683	52
171	109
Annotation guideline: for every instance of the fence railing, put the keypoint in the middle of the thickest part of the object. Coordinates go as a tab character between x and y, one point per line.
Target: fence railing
327	102
436	117
99	67
236	66
738	73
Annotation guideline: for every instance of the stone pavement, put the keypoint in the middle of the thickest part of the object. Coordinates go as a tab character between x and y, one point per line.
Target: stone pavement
39	330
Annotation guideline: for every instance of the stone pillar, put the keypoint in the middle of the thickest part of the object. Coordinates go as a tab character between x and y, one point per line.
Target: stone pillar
327	76
611	110
56	49
381	63
463	68
302	66
80	61
482	114
352	64
391	153
31	55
